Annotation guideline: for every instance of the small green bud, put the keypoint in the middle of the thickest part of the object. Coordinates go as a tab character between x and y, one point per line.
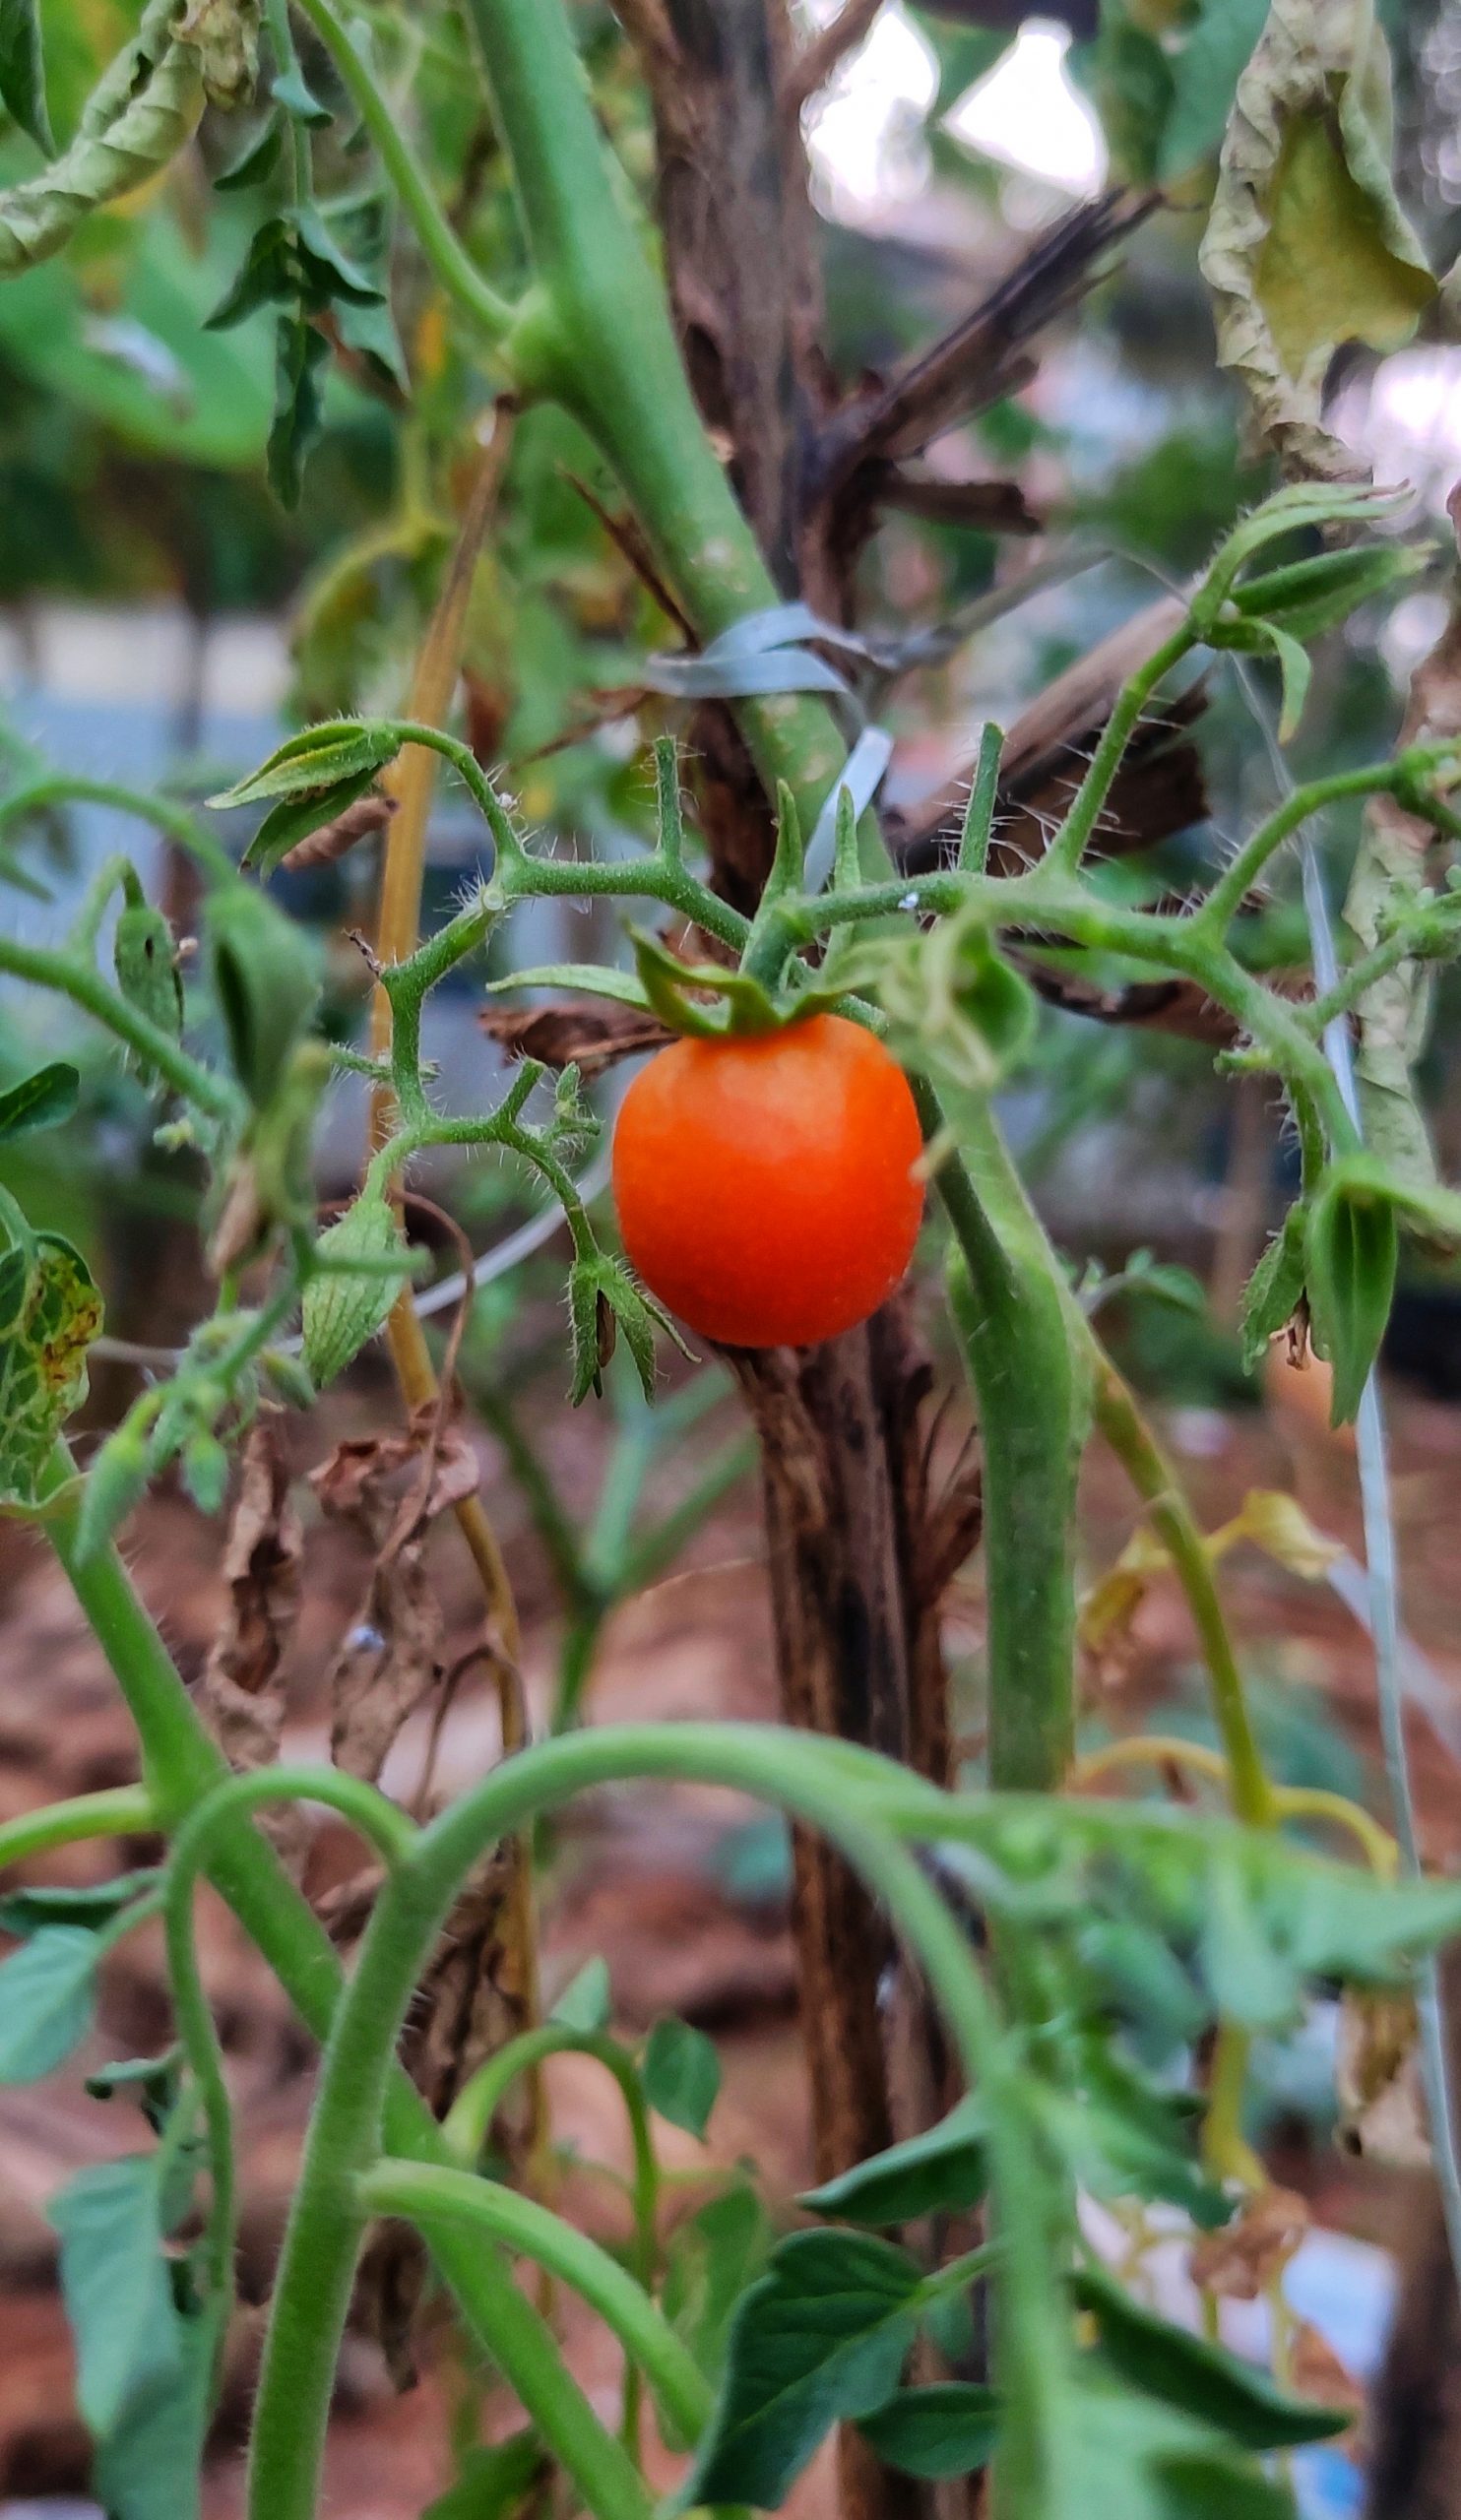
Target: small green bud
286	1375
205	1471
343	1307
1273	1292
145	958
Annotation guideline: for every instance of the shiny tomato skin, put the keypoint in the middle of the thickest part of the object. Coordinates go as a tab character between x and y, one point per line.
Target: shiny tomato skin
765	1183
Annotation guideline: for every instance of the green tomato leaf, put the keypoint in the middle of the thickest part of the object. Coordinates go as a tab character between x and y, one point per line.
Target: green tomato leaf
681	2075
23	72
300	353
1350	1253
587	2000
948	2429
943	2171
266	980
47	1991
1205	73
496	2482
294	818
1272	1295
267	276
39	1102
711	2259
115	2282
1200	2379
256	160
312	763
1296	673
821	2336
149	2464
24	1912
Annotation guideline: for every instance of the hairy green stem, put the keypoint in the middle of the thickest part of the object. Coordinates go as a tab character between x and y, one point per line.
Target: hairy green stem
86	988
174	821
492	314
813	1781
117	1811
469	2121
1010	1310
425	2195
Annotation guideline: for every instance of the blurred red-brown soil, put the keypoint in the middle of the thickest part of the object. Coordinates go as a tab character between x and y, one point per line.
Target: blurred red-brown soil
636	1876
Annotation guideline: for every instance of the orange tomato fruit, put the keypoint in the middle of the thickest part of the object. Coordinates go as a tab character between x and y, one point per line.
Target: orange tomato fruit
765	1183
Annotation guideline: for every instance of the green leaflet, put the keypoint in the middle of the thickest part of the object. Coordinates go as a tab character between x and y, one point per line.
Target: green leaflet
1350	1258
142	112
23	71
49	1313
1308	246
39	1102
681	2074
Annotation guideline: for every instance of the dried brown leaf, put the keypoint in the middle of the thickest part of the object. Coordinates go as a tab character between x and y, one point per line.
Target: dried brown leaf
1377	2076
333	840
391	1488
1242	2260
241	1693
588	1033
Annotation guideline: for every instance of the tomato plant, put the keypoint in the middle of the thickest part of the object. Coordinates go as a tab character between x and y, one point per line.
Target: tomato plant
1023	2003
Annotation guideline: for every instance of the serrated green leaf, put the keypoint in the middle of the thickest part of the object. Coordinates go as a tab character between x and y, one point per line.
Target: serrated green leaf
47	1991
342	1311
681	2075
39	1102
1200	2379
595	980
942	2171
116	2285
267	276
328	274
821	2336
1271	1295
300	352
587	2000
294	818
23	72
947	2430
313	762
1351	1254
711	2258
256	160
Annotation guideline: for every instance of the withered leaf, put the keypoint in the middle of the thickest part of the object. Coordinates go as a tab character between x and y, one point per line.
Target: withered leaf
588	1033
333	840
1308	246
1242	2260
241	1693
391	1488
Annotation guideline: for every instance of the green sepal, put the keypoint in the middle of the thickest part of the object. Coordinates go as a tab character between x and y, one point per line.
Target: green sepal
348	1301
742	1004
266	982
603	1300
1274	1290
1350	1252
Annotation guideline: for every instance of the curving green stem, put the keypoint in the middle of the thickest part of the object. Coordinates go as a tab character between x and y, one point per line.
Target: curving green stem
118	1811
79	980
174	821
1011	1313
425	2195
818	1783
469	2121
